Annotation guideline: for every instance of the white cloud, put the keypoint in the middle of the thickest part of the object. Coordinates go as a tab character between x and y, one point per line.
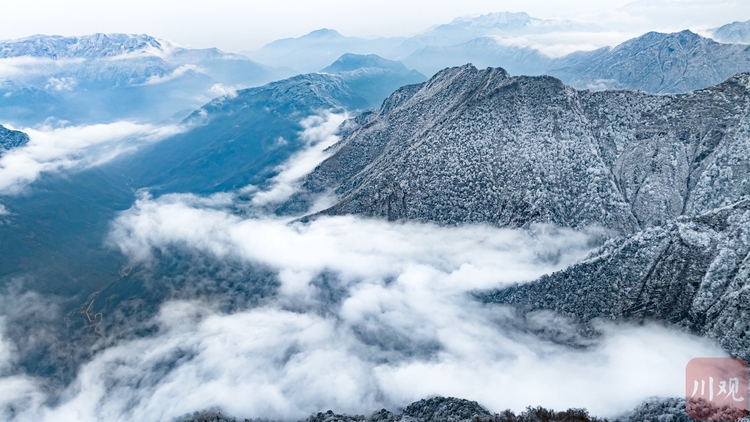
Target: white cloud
559	44
57	149
60	84
17	391
319	133
222	90
20	68
670	15
403	330
156	79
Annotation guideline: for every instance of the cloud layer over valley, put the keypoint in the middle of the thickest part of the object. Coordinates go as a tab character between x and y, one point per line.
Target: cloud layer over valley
55	149
366	313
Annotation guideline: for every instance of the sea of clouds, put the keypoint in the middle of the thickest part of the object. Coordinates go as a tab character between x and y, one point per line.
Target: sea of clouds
394	322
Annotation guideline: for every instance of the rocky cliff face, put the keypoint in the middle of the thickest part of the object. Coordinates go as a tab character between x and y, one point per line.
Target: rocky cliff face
472	146
693	273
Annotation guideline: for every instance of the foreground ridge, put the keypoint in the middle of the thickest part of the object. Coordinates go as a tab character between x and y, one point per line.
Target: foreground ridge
451	409
435	409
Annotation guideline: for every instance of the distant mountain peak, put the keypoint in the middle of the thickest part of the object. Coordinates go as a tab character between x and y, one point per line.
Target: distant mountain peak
493	19
656	62
349	62
323	33
86	46
686	38
733	33
517	21
653	36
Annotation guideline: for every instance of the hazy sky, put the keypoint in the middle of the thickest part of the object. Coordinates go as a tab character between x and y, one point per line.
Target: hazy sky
236	25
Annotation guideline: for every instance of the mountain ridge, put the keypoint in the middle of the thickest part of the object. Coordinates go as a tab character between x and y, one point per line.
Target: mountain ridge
692	273
733	33
348	62
88	46
451	409
528	143
656	62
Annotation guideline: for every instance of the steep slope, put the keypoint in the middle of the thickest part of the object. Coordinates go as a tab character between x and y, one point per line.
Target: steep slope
235	139
480	146
53	241
55	233
694	273
11	138
656	62
733	33
231	142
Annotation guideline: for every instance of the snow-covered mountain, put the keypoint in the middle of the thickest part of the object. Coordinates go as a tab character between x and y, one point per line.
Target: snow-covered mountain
667	175
94	46
501	24
11	139
655	62
505	23
372	76
144	59
542	152
733	33
692	272
103	77
309	52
